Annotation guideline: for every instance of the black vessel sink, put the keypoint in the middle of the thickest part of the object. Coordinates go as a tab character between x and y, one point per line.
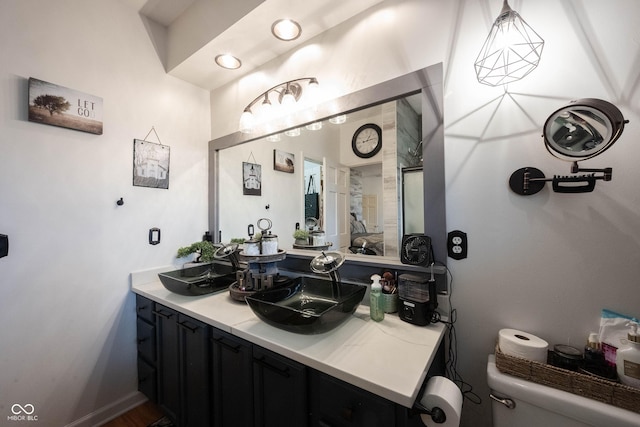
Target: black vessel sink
307	305
199	280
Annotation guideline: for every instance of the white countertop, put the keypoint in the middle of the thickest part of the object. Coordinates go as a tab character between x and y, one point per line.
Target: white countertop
389	358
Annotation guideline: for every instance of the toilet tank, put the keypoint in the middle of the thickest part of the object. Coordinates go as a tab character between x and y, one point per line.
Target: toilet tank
538	405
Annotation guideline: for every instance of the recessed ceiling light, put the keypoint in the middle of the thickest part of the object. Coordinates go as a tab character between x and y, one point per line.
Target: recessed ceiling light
228	61
286	29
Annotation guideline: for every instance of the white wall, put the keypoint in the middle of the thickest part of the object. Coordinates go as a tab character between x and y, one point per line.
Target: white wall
547	263
67	314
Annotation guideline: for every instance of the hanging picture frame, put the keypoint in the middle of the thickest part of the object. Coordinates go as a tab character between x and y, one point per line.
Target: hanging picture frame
150	164
251	179
56	105
283	161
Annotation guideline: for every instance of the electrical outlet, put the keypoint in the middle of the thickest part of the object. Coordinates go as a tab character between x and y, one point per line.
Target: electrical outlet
457	244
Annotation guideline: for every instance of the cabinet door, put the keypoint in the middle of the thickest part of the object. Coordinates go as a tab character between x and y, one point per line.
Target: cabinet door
232	380
146	340
144	308
280	390
195	372
168	361
335	403
147	380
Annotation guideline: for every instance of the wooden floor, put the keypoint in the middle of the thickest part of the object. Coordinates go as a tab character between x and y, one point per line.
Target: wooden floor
140	416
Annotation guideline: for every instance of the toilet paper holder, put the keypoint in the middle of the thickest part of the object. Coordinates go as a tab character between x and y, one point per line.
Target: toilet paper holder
437	415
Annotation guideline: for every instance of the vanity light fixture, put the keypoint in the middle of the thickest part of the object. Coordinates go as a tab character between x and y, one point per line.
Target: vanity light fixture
286	29
511	51
579	131
228	61
286	94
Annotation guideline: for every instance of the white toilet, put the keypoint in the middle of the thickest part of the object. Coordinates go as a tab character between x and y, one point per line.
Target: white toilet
535	405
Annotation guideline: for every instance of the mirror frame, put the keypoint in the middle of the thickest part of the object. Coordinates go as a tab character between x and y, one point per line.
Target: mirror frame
427	81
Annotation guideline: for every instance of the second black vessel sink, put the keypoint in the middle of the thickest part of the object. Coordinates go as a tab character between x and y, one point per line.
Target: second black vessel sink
307	305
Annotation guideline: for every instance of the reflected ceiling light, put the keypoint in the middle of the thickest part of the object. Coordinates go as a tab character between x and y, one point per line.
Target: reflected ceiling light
228	61
286	29
579	131
511	51
273	138
314	126
292	132
286	94
338	120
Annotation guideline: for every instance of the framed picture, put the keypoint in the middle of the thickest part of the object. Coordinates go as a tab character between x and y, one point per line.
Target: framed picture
60	106
251	179
150	164
283	161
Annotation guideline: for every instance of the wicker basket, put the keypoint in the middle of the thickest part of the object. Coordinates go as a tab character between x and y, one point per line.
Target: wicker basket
584	385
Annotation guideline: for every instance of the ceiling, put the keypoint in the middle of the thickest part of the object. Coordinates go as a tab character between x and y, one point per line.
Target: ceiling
201	29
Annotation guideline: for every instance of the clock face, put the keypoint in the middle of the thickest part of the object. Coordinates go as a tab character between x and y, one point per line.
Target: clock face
367	140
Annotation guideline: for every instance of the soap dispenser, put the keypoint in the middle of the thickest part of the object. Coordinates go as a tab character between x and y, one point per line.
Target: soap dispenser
376	308
628	358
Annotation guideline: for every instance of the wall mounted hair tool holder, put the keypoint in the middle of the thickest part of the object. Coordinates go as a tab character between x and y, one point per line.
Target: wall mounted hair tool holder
579	131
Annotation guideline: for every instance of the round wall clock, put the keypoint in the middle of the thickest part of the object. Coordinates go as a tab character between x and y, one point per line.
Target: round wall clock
367	140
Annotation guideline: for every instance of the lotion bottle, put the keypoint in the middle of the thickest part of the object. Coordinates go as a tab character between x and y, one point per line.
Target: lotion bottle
376	310
628	359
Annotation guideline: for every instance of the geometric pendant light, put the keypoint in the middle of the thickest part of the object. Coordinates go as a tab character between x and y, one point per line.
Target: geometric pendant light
511	51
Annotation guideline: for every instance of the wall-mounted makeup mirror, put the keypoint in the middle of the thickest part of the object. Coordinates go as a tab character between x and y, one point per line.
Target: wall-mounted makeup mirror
579	131
286	168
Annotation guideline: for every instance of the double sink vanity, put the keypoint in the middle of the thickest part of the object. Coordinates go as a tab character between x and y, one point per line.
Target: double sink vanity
210	360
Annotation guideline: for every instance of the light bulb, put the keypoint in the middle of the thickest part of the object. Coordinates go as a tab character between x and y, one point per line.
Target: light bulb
288	100
246	121
286	29
313	89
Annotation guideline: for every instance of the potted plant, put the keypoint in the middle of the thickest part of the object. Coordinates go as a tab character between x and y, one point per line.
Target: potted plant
204	249
301	236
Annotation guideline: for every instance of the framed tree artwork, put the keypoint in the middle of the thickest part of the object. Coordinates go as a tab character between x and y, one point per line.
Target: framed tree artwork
56	105
283	161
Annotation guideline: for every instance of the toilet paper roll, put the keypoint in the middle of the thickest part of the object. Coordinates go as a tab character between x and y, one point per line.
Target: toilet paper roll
442	393
522	344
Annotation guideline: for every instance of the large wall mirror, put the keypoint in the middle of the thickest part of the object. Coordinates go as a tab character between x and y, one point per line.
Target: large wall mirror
312	170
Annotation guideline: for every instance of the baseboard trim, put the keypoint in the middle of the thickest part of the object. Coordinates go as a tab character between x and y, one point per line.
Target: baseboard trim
109	412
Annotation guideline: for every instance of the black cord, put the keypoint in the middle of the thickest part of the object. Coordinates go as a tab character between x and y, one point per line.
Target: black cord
451	370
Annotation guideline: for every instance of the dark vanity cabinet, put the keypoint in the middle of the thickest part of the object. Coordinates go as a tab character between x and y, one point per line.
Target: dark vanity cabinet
280	390
195	372
232	376
335	403
168	361
146	336
202	376
183	366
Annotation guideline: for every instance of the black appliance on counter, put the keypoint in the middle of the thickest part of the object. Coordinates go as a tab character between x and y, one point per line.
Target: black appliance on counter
418	298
